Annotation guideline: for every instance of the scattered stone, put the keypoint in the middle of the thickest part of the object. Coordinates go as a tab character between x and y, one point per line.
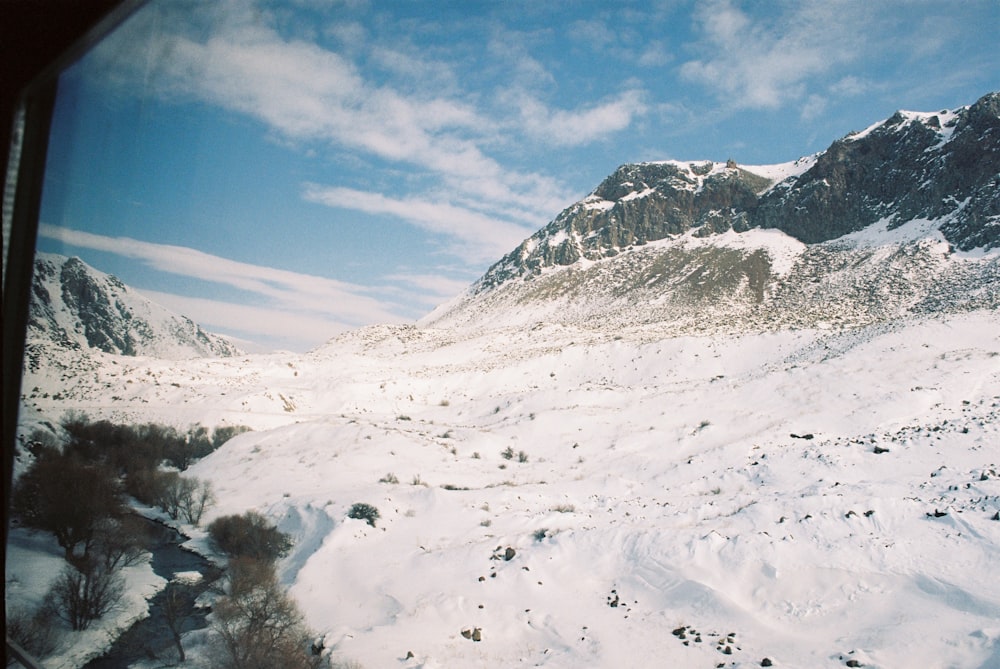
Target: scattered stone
727	650
869	513
467	633
996	516
679	632
878	450
766	662
801	436
853	663
477	634
409	655
509	554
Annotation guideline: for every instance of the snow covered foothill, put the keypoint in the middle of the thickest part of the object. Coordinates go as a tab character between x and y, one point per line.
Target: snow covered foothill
822	494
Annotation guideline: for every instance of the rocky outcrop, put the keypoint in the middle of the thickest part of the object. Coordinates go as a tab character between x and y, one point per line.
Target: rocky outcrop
942	166
74	306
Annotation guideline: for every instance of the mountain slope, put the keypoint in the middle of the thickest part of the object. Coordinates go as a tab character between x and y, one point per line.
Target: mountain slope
77	307
889	221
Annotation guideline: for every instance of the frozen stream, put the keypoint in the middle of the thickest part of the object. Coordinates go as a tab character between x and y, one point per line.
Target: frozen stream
151	637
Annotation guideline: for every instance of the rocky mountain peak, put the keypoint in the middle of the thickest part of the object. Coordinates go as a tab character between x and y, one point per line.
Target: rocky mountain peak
74	306
936	166
870	229
940	166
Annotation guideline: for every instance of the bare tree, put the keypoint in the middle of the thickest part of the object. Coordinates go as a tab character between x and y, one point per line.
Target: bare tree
34	631
196	496
82	595
175	607
258	625
119	542
68	497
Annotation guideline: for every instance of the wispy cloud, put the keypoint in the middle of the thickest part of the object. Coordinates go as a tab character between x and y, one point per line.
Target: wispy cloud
339	302
437	286
758	63
479	237
307	93
562	127
253	325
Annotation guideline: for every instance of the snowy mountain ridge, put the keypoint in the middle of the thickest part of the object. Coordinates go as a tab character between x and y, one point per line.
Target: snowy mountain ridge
658	241
654	435
74	306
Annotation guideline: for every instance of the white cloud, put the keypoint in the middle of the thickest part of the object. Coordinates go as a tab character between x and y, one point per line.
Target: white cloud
655	54
298	330
432	289
333	300
307	93
478	237
765	64
813	107
576	127
850	86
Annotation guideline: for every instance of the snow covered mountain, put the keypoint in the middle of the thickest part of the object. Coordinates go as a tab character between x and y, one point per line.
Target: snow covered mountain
77	307
885	222
670	429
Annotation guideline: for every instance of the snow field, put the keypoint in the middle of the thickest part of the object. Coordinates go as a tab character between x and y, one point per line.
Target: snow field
662	473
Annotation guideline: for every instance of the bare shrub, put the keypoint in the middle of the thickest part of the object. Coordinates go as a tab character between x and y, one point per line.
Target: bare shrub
249	535
120	542
63	495
363	511
226	432
196	496
83	595
34	631
257	625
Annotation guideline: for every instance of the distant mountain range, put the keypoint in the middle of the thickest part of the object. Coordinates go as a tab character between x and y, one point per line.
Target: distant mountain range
76	307
898	218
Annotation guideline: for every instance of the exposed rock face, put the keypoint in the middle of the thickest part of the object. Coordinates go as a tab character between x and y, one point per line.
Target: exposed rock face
941	166
912	166
76	307
871	229
636	205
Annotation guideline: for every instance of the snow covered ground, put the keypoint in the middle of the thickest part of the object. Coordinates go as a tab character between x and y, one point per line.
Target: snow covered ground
806	496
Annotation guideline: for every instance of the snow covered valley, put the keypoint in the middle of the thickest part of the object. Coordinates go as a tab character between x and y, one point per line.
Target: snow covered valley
608	497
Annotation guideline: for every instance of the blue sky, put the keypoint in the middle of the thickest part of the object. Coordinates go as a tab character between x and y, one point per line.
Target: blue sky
283	171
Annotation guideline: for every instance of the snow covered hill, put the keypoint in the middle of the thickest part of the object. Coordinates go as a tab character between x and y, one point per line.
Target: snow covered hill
658	434
76	307
899	219
809	496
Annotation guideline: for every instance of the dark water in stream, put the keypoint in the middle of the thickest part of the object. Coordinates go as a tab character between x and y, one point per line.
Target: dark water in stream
151	637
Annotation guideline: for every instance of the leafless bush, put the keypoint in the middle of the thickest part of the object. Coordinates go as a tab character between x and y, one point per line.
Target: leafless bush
257	625
249	535
183	498
196	497
119	542
35	632
83	595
